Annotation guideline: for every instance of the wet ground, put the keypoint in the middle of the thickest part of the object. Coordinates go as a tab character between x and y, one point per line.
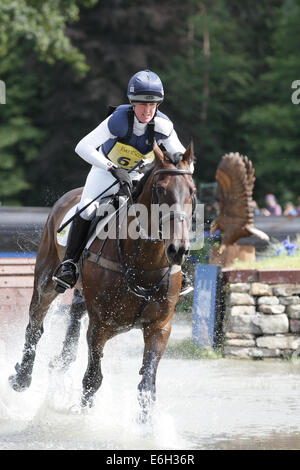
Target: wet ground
201	404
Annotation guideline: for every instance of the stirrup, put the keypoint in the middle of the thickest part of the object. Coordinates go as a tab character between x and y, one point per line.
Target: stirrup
61	285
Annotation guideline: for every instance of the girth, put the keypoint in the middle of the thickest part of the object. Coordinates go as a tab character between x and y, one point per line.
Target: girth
117	267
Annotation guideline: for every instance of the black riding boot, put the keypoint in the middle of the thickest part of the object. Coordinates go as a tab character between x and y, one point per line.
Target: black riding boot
66	274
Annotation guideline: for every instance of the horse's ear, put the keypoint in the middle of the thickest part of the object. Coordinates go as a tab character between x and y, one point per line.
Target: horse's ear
158	153
188	155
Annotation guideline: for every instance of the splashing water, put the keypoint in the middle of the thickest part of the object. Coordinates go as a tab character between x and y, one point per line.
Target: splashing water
200	404
48	415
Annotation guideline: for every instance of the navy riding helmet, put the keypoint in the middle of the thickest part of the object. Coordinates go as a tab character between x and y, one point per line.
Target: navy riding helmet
145	86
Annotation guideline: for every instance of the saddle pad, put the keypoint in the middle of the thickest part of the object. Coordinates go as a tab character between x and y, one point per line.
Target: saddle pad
62	237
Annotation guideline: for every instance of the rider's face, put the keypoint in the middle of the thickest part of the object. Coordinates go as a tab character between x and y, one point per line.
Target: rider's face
145	111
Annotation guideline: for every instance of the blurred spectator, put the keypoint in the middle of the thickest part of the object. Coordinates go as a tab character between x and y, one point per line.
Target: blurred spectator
272	207
210	213
256	210
289	210
216	207
298	207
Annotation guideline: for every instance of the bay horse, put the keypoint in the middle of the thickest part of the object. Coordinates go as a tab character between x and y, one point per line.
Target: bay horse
137	286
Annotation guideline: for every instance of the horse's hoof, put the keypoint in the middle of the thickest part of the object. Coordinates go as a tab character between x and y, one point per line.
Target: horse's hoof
144	418
19	384
146	401
87	402
57	363
61	362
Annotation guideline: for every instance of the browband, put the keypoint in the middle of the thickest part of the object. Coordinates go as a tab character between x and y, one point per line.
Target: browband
172	171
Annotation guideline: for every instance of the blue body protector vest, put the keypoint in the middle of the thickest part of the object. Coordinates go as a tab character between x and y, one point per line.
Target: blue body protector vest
127	148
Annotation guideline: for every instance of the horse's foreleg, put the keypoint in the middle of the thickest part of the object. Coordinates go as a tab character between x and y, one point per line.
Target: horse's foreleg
96	337
41	300
70	345
155	338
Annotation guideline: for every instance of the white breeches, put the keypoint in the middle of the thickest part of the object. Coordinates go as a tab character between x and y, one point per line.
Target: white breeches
98	180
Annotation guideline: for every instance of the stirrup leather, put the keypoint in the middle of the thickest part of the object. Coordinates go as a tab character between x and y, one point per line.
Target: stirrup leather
59	281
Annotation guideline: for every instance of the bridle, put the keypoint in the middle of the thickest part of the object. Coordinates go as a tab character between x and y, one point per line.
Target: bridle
174	214
147	294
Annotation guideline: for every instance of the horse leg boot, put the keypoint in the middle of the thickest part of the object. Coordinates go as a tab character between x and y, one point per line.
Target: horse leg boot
41	300
70	345
155	339
92	379
66	274
22	379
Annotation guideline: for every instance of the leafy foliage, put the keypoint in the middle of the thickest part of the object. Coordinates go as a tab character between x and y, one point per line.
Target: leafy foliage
227	69
19	136
272	123
43	23
27	24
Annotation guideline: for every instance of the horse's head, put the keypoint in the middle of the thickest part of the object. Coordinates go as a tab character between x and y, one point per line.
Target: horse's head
174	191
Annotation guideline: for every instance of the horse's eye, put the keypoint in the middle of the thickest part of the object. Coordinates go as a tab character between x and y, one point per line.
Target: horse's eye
160	190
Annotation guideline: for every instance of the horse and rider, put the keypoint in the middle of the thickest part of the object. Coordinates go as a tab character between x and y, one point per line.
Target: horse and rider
125	137
124	283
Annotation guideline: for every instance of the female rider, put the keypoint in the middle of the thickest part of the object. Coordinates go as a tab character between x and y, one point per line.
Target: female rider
117	144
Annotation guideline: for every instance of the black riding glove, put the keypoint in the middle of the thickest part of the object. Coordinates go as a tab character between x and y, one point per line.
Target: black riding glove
124	179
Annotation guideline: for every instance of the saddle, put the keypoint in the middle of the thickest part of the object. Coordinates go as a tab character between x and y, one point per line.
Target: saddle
99	221
104	222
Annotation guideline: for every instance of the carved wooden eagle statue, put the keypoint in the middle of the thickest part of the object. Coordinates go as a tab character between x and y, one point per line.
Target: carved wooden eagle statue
235	178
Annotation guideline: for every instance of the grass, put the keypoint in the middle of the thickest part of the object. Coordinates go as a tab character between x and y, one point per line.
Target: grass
279	262
270	260
186	349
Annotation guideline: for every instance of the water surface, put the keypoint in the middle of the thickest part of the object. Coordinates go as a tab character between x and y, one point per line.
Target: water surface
201	404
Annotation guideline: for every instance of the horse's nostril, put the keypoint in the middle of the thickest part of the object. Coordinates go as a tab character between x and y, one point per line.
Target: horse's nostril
172	250
181	251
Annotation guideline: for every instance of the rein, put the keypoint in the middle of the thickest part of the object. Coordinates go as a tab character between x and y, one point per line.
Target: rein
147	294
172	215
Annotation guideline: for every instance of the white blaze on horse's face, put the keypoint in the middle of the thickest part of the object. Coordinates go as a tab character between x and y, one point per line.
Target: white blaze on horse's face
175	195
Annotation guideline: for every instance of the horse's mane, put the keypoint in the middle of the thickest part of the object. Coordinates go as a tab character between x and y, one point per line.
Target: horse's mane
147	170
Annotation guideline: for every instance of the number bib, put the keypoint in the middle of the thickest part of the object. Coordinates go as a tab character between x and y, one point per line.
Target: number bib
126	156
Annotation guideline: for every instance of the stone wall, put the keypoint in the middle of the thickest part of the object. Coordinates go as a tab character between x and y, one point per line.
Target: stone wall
262	314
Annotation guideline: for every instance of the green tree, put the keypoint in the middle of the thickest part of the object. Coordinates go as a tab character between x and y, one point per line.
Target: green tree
224	65
43	23
19	136
27	25
208	83
272	122
118	38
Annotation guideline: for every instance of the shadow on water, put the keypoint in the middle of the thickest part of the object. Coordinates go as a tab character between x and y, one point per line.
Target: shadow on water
201	404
